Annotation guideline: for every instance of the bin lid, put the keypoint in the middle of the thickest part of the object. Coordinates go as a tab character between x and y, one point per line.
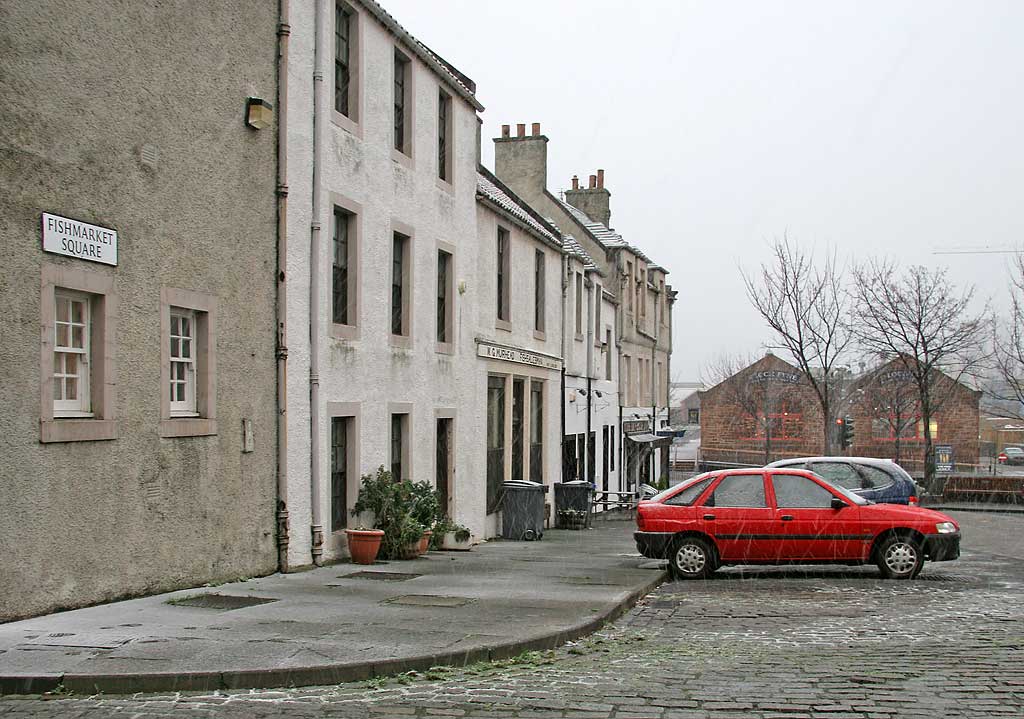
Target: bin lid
522	484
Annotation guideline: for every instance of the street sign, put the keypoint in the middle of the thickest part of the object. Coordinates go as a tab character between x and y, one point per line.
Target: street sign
64	236
944	458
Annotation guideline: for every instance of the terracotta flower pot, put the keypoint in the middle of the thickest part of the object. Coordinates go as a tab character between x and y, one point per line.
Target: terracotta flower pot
363	544
425	541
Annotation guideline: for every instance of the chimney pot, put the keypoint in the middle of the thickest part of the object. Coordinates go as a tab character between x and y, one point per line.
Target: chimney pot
593	181
521	129
600	178
505	130
575	182
536	129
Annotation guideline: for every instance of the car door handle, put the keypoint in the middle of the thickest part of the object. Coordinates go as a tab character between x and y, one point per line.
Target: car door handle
787	518
709	516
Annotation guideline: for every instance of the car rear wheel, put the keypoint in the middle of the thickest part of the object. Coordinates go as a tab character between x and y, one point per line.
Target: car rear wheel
691	558
900	557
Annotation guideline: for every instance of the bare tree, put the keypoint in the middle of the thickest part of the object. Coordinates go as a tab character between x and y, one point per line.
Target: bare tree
1008	345
918	317
806	306
891	396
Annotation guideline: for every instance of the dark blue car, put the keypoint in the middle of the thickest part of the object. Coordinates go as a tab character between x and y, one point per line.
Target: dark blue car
880	480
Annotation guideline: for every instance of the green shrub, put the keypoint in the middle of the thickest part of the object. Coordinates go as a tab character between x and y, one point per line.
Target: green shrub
392	504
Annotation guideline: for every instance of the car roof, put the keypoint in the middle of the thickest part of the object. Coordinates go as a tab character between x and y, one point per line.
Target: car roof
873	461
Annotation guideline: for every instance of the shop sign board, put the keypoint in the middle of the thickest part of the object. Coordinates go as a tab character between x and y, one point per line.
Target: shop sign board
64	236
636	426
520	356
944	458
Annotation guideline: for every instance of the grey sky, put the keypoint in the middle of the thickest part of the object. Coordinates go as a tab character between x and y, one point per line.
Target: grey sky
876	128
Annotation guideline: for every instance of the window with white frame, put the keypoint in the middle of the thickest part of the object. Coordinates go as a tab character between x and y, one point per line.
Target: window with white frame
71	327
183	363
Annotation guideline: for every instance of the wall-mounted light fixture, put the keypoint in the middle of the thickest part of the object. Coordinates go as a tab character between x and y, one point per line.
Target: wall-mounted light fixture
258	113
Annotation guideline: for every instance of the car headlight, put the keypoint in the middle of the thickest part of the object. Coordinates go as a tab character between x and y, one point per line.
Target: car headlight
945	527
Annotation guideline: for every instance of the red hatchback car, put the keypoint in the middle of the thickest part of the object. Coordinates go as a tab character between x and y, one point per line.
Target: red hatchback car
786	516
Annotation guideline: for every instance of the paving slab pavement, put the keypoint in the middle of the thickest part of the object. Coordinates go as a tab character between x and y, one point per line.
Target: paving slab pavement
338	623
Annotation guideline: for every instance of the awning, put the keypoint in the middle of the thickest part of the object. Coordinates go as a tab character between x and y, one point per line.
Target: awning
651	439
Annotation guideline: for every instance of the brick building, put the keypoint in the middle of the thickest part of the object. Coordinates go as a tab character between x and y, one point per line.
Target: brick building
765	412
768	411
888	424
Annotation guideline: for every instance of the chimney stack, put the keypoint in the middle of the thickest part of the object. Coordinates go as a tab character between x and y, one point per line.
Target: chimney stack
536	129
521	161
593	200
593	181
506	131
600	178
575	182
521	129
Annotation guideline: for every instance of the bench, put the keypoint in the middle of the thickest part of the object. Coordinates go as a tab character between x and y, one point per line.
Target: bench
615	500
1007	490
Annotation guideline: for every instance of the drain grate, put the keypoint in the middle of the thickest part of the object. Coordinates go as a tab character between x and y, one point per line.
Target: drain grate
221	602
429	600
382	576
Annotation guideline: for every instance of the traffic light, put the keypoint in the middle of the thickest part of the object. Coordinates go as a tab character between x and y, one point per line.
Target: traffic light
845	431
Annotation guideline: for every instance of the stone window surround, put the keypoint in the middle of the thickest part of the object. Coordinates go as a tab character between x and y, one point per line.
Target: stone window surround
408	158
403	341
355	282
404	408
540	295
355	83
205	343
351	410
579	315
528	375
448	347
448	182
102	363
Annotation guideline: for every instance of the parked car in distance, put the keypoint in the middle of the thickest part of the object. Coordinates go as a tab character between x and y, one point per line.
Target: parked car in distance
880	480
1011	455
786	516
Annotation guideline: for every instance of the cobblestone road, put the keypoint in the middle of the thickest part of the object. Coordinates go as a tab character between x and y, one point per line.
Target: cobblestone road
780	643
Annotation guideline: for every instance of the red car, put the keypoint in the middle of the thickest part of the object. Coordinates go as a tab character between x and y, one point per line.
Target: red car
786	516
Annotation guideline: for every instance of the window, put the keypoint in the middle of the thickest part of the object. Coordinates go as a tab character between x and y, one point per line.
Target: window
629	287
611	453
444	131
592	456
538	291
581	455
504	276
72	327
605	434
781	424
77	313
909	426
443	463
401	98
518	399
399	446
625	379
444	297
793	491
536	431
339	471
738	490
495	440
342	294
579	305
689	495
597	313
608	355
399	285
838	473
874	478
343	26
183	363
569	458
693	416
188	372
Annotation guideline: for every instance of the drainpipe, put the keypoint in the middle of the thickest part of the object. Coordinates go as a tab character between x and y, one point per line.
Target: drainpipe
561	440
590	390
283	32
316	527
654	386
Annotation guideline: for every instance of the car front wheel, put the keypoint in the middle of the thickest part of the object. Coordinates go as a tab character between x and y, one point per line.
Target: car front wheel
900	557
691	558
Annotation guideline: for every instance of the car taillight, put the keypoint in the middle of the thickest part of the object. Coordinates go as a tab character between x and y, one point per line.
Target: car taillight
640	518
913	501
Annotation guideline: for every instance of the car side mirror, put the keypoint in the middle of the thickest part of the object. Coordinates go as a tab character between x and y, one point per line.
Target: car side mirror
837	503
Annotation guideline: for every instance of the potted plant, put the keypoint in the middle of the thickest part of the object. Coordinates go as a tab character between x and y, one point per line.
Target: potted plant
364	544
425	508
572	518
451	536
390	503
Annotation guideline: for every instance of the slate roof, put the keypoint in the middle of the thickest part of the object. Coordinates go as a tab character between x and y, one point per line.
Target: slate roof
490	188
573	247
461	84
605	236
